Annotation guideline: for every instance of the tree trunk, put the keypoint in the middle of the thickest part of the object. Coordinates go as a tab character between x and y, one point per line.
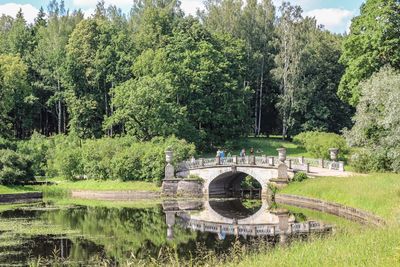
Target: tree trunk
59	115
261	93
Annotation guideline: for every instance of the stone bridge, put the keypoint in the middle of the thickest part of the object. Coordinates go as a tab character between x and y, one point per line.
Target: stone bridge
222	177
232	218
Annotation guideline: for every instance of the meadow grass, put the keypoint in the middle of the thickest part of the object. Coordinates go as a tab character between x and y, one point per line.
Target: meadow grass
102	185
351	245
137	204
378	193
14	189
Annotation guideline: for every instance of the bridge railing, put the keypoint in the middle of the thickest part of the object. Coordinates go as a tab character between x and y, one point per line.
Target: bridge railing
249	229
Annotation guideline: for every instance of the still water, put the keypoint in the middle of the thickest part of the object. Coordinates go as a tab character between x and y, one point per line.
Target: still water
82	234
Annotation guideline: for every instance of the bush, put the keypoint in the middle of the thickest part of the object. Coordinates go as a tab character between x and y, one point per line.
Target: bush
318	143
7	144
64	157
127	164
36	150
97	156
366	160
299	177
14	168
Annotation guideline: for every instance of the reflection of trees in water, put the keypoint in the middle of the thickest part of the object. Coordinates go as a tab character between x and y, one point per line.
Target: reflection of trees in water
121	231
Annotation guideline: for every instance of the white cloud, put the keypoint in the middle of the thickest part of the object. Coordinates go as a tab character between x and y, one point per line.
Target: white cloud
92	3
11	9
334	19
190	6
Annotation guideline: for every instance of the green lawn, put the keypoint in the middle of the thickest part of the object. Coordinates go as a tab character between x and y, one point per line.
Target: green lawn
263	146
378	193
104	185
14	189
351	245
62	187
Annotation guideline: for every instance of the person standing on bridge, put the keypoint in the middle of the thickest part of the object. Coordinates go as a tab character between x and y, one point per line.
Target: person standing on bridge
222	156
243	153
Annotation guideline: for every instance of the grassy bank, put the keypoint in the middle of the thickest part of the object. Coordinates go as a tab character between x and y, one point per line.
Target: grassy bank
377	193
350	246
15	189
62	187
105	185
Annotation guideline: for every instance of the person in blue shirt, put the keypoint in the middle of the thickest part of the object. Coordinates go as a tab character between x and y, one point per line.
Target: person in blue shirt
222	155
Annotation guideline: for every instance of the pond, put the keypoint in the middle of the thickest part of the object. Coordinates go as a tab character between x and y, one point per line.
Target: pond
186	230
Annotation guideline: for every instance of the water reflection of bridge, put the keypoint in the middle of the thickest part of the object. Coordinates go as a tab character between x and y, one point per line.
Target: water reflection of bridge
230	217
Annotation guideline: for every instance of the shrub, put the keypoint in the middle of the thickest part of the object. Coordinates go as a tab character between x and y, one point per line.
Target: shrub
153	160
127	164
36	149
318	143
14	168
299	176
97	155
365	160
64	157
7	144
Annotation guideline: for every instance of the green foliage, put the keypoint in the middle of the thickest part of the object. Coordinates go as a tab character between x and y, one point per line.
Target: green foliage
14	96
98	154
36	149
249	182
299	177
377	123
65	157
373	42
319	143
14	168
120	158
7	144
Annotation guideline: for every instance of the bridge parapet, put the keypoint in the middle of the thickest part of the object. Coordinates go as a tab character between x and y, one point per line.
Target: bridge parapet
266	161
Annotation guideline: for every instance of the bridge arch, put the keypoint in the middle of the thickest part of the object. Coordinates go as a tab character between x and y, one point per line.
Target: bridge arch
218	178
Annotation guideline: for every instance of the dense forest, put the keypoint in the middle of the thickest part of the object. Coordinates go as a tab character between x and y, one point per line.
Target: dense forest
237	68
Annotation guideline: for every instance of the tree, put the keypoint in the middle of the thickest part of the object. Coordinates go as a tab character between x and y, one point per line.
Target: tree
19	37
373	42
377	122
147	108
291	31
253	23
14	95
48	62
98	58
204	73
319	108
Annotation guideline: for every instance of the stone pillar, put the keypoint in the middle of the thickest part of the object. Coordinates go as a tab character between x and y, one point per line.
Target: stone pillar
252	160
271	161
218	160
281	154
169	168
290	164
341	166
170	220
302	160
235	159
322	163
283	216
202	162
308	168
333	153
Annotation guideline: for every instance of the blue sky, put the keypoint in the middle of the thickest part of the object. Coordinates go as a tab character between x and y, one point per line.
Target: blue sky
334	14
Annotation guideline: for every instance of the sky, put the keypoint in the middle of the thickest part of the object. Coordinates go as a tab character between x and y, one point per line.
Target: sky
335	15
